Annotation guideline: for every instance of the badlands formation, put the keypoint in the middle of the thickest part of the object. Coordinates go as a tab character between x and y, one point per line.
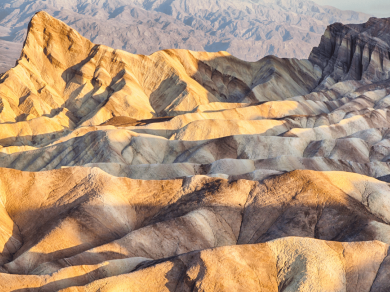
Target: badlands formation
248	29
195	171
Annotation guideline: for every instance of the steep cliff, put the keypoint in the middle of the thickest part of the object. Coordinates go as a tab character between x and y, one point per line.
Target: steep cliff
354	52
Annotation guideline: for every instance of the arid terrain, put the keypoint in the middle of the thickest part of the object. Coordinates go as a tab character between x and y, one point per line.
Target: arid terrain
247	29
195	171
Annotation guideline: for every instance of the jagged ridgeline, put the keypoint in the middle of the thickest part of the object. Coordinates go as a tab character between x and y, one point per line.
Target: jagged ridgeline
194	171
247	29
354	52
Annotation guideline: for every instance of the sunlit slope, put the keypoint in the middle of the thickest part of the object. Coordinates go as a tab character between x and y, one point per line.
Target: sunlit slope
93	225
61	69
195	171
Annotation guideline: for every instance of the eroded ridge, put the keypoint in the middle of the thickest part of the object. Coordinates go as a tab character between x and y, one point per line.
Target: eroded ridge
184	171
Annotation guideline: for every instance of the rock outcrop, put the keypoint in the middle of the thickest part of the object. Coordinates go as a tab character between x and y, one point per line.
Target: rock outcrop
59	69
246	29
187	171
354	52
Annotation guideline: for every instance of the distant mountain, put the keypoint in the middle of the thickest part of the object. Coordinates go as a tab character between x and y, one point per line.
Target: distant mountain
246	29
195	171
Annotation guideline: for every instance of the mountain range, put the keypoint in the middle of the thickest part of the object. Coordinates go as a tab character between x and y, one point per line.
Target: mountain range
195	171
246	29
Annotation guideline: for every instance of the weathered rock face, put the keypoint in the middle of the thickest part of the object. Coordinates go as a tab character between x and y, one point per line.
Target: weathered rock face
59	69
92	225
266	176
282	265
246	29
354	52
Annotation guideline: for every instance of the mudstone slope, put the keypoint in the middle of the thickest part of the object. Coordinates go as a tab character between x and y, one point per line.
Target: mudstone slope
248	29
195	171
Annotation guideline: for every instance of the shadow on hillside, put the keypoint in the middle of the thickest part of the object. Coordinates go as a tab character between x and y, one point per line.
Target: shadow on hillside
14	243
45	139
94	147
41	140
224	78
300	203
122	121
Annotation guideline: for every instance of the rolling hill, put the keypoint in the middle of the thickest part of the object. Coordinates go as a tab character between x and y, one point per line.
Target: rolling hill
195	171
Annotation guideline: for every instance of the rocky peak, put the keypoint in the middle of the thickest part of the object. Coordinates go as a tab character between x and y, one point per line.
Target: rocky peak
354	52
60	69
195	169
51	40
246	29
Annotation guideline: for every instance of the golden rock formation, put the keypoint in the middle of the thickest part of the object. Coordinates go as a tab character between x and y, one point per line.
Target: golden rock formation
184	171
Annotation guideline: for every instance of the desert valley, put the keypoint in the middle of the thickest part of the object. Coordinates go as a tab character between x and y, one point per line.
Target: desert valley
195	171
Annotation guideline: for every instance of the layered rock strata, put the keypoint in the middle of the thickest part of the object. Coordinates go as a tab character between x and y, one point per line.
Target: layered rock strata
187	171
247	29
